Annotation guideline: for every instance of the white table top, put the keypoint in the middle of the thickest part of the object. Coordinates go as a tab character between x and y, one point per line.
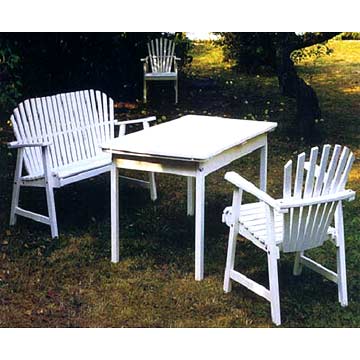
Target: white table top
194	137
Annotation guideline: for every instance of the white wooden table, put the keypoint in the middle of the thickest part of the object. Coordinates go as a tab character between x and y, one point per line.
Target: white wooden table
192	146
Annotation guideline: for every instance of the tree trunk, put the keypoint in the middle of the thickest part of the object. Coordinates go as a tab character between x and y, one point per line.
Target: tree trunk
291	85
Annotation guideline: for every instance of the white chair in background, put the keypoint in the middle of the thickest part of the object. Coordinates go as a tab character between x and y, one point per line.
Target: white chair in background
300	221
58	141
160	64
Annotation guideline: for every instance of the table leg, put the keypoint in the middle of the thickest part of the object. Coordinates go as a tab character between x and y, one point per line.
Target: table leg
263	166
199	226
190	195
114	193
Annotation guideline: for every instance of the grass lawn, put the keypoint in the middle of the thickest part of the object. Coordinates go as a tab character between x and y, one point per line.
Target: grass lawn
71	282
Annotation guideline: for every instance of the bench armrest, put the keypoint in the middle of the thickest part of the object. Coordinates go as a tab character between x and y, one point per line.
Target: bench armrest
144	59
247	186
135	121
17	145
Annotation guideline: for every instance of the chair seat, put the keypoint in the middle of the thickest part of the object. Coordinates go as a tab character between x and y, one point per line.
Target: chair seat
161	76
252	221
76	167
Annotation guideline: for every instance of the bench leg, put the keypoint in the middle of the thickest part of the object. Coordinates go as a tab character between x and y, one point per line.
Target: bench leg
14	202
50	199
16	186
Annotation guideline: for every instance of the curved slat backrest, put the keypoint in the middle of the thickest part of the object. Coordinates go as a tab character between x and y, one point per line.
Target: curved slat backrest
75	123
306	227
161	54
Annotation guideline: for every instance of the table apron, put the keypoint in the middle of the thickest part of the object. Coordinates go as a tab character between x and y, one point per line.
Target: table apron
189	168
233	154
177	167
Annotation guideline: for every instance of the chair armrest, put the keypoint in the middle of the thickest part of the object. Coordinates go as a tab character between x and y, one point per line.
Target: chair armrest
17	145
247	186
177	58
145	59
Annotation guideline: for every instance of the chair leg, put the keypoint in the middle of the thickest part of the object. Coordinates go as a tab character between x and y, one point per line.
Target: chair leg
176	91
233	234
297	265
152	183
230	259
145	93
50	199
274	287
340	254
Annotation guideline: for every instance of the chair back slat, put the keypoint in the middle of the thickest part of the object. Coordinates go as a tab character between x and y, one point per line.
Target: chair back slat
331	170
305	212
161	55
295	213
74	123
339	170
286	195
306	227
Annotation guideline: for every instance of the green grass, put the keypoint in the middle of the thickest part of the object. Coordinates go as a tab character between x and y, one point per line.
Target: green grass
72	283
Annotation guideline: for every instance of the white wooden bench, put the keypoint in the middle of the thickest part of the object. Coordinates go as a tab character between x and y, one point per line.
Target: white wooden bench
58	141
161	64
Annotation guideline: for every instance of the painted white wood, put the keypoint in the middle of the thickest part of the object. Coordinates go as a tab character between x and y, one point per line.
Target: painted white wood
250	284
165	161
199	224
114	193
58	142
263	166
205	137
234	229
299	221
16	186
340	256
160	64
190	196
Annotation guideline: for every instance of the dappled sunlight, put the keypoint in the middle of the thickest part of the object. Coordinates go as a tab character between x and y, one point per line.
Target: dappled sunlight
352	90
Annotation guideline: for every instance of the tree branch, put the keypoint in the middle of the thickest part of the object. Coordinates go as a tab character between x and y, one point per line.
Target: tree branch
312	38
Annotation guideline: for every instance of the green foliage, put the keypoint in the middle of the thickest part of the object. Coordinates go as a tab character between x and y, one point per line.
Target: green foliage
349	36
253	52
311	53
10	82
48	63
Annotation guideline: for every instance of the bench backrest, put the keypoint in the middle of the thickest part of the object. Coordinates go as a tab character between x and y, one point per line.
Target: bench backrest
161	55
306	227
75	123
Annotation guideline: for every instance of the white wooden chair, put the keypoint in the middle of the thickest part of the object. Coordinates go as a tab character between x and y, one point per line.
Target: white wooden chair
58	140
300	221
160	64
